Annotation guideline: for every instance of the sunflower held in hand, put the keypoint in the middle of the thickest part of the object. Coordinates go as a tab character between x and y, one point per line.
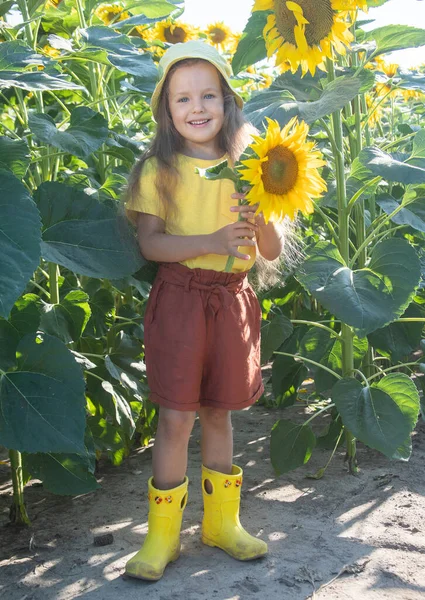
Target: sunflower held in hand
284	177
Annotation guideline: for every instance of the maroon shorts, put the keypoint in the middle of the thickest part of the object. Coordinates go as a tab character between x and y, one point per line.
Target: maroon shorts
202	339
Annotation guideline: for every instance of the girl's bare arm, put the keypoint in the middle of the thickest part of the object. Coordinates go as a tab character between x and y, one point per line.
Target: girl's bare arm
269	237
270	241
159	246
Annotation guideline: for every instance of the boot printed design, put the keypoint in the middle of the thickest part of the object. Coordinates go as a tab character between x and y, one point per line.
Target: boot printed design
221	526
162	543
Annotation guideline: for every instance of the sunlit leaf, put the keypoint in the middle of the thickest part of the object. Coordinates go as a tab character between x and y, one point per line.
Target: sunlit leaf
382	415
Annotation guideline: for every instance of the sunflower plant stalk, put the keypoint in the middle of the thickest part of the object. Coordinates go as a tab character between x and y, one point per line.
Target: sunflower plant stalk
281	173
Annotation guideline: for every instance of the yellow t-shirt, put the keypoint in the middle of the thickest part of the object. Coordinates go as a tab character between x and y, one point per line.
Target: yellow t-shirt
202	207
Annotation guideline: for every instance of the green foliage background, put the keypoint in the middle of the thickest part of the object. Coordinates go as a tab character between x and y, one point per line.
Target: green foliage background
73	286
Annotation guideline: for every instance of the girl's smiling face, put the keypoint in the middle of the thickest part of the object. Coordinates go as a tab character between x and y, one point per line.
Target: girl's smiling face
196	105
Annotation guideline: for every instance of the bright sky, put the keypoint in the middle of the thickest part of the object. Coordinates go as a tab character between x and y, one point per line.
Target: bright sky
235	14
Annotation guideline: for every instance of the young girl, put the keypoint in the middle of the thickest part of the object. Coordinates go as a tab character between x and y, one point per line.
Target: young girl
202	325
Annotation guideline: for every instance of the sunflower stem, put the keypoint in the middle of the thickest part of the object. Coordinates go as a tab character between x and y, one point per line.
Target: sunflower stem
231	259
18	512
344	246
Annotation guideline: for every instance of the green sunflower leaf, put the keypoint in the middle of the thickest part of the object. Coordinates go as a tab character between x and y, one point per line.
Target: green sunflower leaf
395	37
368	298
381	415
252	46
291	445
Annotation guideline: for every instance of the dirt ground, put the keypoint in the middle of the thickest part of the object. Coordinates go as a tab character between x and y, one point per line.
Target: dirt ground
347	538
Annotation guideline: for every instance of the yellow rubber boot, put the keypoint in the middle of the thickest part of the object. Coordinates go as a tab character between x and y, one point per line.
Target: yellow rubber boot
162	543
221	526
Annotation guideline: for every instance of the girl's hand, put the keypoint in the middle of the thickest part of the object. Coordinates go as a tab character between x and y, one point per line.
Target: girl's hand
248	212
227	239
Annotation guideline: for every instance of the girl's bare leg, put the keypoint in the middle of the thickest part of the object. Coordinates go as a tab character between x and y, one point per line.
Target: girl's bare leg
217	439
169	462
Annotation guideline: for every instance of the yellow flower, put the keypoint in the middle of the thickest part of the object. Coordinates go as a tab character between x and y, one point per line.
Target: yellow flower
111	13
50	51
218	34
52	3
390	70
306	32
173	32
411	94
376	116
351	5
267	81
284	176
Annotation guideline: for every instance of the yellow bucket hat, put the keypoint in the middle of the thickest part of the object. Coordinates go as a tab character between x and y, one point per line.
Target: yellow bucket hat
192	49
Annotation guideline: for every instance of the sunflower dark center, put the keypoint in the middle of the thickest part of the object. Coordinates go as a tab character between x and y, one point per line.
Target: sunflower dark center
217	35
280	171
178	34
319	14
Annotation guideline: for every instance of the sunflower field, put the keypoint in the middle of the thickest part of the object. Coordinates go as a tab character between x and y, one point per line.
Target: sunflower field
75	81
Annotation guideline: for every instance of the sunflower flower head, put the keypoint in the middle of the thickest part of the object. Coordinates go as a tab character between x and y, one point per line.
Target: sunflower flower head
284	175
50	51
173	32
305	32
111	13
219	35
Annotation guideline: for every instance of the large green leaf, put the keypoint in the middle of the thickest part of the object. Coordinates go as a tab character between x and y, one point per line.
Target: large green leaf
319	345
102	305
103	248
273	333
287	376
291	445
154	9
123	415
17	56
87	132
398	340
383	164
63	474
305	88
37	80
5	6
329	436
404	451
9	339
108	39
287	373
107	437
58	202
251	47
382	415
20	238
413	215
282	106
121	52
369	298
85	235
67	320
25	314
417	158
130	372
42	403
395	37
14	155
